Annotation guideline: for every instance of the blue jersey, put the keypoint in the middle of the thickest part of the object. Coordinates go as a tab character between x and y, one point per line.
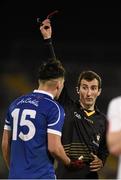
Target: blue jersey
30	118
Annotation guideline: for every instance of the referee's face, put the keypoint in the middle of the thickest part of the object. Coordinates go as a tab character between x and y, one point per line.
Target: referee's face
88	93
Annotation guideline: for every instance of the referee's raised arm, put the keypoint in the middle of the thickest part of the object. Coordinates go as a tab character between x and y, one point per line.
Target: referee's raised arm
46	31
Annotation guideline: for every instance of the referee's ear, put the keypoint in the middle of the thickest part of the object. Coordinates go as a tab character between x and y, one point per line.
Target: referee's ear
77	90
99	91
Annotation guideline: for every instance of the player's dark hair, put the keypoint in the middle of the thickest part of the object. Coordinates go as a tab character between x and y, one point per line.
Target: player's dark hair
51	69
89	76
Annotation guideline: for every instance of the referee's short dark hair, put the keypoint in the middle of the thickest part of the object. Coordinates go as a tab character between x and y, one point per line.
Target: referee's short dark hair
51	69
89	76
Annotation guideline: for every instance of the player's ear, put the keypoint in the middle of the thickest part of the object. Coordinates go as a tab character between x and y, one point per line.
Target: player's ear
58	85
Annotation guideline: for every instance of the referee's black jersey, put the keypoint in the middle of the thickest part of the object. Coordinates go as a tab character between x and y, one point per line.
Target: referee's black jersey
83	132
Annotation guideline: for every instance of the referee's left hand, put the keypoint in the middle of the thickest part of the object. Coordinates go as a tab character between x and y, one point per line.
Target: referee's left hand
96	164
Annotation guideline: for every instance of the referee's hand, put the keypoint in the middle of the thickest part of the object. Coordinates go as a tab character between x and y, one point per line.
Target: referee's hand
96	164
46	29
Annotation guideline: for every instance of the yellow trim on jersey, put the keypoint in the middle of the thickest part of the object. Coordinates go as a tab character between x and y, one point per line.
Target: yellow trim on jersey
89	113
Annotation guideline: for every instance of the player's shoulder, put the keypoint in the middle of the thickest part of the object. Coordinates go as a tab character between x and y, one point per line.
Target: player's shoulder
54	103
19	99
53	107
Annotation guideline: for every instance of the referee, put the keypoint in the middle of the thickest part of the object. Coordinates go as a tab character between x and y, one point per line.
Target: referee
84	131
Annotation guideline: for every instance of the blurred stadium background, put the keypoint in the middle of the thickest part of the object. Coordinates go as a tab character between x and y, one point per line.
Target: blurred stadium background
84	38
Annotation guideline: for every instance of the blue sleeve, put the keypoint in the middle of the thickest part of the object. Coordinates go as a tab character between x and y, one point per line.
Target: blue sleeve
7	125
55	119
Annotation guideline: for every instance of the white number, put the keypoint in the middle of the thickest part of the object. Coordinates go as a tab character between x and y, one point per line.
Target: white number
23	122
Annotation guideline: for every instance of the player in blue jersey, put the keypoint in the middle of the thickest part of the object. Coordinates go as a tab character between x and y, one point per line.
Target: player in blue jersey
33	124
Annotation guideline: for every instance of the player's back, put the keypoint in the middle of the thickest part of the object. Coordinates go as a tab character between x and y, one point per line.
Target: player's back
28	119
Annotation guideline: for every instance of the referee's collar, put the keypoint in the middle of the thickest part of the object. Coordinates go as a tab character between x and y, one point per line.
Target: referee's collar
43	92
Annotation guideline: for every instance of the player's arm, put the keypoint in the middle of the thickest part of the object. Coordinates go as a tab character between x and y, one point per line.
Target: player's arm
6	142
114	128
54	131
56	149
114	142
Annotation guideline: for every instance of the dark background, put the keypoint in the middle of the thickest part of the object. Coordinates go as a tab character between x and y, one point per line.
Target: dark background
85	36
